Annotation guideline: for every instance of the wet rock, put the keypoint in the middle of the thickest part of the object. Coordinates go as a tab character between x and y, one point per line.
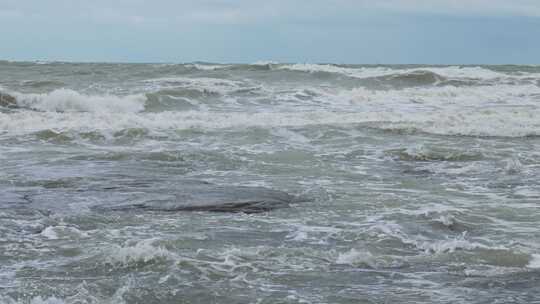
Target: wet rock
205	197
7	100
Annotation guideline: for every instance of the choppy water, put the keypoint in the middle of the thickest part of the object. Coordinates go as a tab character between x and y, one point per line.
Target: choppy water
420	184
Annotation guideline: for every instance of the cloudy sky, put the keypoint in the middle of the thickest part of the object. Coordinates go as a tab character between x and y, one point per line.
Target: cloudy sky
338	31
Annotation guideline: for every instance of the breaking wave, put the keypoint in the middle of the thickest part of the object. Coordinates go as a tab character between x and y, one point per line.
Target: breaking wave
207	103
534	261
66	100
144	251
380	71
496	122
423	153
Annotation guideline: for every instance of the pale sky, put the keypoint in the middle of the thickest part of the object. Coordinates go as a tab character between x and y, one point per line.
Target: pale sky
245	31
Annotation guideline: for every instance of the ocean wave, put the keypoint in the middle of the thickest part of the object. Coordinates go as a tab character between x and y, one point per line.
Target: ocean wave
61	231
66	100
447	246
180	93
34	300
504	110
361	72
446	72
495	122
42	83
205	85
534	261
423	153
442	98
364	258
428	246
513	166
415	78
473	251
208	67
144	251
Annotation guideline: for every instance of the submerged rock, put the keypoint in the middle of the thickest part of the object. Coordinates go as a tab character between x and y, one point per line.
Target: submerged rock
213	198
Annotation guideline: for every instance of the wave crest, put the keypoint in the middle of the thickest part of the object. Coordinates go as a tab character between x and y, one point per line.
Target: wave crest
422	153
66	100
472	123
450	72
142	252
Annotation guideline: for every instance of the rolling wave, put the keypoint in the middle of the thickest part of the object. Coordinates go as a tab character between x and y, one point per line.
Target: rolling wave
372	72
495	122
66	100
207	103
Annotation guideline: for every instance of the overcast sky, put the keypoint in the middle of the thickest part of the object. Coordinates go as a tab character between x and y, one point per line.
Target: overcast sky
338	31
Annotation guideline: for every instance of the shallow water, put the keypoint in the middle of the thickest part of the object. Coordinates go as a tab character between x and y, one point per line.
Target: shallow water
419	184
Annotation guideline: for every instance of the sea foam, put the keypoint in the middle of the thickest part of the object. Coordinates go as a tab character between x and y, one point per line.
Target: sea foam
497	122
66	100
371	72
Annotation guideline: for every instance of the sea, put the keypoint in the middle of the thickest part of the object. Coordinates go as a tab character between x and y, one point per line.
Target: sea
269	183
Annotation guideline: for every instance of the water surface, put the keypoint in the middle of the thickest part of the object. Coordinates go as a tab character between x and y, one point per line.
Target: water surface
422	183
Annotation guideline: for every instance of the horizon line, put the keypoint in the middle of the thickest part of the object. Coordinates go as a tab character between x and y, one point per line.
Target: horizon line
257	62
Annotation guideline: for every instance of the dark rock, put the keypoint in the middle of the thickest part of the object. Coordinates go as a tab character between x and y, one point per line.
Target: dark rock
7	100
216	199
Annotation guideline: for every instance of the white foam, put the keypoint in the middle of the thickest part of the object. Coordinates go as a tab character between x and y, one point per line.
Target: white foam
355	257
365	258
57	232
65	100
51	300
452	72
4	299
503	110
447	246
314	234
203	84
264	62
448	220
430	246
534	262
142	251
353	72
498	122
513	166
208	67
49	233
445	97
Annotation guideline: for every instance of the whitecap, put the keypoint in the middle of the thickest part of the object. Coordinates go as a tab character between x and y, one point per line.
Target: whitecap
58	232
142	251
355	257
471	123
453	72
49	233
51	300
65	100
208	67
534	262
513	166
203	84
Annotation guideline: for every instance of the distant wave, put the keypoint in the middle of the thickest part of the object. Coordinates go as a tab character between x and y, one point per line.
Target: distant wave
208	67
422	153
415	78
202	84
42	83
449	72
